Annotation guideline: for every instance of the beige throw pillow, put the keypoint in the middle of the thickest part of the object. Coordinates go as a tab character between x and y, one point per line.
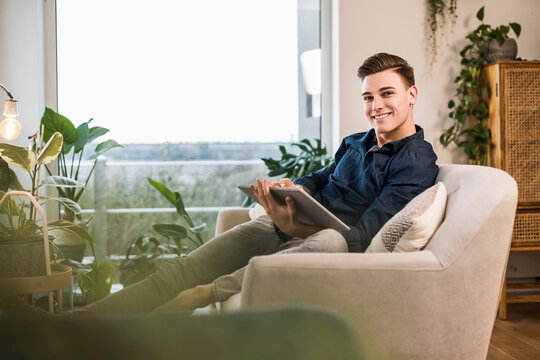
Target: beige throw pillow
412	227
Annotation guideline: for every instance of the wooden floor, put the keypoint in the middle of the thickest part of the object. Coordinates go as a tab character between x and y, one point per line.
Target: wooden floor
517	337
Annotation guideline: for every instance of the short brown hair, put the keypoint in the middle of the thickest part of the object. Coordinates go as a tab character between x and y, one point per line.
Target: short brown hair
383	61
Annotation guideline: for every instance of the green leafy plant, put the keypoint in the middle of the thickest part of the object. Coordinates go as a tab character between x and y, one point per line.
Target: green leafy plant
310	158
30	159
438	14
69	159
293	165
184	237
95	279
142	259
469	110
143	254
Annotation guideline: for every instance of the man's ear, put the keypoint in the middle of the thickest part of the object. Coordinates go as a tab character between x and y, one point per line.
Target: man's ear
412	94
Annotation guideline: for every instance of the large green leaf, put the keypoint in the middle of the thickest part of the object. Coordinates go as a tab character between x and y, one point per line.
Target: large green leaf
103	148
51	150
55	122
5	175
82	139
516	27
14	183
96	132
18	156
480	14
169	195
61	182
171	231
180	209
68	203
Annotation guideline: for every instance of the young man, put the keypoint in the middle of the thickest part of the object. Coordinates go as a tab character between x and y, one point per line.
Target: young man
375	174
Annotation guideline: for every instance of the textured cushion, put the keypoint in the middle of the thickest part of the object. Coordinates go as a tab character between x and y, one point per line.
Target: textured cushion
412	227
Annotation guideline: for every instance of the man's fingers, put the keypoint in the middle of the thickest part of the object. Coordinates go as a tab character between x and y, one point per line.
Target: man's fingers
260	195
291	208
287	182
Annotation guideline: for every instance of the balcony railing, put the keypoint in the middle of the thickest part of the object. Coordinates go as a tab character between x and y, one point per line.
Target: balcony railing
101	178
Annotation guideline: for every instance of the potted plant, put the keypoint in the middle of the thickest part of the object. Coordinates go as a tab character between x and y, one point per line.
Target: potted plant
21	231
144	253
309	159
469	110
141	259
69	163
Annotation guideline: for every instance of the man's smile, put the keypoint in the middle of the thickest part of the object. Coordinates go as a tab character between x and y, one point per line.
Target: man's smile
381	116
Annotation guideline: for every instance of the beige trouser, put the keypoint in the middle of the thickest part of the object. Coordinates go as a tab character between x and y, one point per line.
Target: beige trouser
220	261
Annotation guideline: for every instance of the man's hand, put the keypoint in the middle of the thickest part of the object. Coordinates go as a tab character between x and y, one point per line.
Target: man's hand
284	216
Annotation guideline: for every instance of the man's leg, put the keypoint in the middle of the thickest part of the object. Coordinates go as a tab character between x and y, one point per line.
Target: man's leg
327	240
221	255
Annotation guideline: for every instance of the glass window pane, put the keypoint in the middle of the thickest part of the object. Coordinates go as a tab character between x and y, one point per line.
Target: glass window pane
170	71
186	87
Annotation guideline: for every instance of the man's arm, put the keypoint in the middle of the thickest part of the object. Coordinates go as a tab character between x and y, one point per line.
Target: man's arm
318	180
407	178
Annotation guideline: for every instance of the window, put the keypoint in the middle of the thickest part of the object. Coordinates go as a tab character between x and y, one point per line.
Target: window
197	91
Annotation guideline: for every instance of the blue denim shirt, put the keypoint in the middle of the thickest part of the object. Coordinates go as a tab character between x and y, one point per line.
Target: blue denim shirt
366	185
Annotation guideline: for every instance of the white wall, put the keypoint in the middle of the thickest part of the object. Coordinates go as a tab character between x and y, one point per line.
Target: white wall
399	27
22	61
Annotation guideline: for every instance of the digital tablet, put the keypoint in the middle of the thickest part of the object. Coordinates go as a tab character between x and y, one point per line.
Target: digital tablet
309	210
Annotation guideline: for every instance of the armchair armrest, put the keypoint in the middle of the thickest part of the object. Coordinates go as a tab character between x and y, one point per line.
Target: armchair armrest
375	292
230	217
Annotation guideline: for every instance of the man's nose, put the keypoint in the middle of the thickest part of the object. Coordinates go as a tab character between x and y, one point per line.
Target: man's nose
377	103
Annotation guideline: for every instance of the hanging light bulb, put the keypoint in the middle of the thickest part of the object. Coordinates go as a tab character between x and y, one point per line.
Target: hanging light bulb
10	128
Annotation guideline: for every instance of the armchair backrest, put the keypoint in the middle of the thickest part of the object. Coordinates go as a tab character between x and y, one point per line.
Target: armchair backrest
480	208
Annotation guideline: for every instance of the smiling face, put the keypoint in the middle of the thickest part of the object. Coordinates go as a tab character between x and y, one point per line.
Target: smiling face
388	104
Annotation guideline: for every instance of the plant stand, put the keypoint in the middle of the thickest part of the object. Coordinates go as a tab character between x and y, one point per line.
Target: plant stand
56	276
59	278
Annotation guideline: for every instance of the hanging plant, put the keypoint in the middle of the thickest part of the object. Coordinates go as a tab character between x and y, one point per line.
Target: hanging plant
439	14
469	110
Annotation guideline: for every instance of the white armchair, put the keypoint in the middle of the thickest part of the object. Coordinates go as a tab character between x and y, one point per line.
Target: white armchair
439	303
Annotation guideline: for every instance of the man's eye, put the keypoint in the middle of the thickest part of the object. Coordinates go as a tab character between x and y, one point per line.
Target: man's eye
387	93
368	98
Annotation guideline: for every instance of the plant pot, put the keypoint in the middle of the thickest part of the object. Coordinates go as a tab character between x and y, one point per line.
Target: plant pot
22	259
504	52
70	245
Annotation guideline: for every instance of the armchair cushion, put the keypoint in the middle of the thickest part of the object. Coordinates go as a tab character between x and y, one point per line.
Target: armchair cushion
412	227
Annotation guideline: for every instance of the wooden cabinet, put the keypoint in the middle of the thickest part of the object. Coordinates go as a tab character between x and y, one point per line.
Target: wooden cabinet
514	122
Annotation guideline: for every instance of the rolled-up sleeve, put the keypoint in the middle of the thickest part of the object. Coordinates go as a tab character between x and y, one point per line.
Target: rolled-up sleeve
318	180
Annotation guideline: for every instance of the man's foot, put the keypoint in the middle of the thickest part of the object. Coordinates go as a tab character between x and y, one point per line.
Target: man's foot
189	300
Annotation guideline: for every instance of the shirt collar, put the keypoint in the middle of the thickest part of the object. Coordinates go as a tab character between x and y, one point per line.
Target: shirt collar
394	145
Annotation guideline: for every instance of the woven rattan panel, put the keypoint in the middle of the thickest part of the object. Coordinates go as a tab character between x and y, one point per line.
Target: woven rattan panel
526	229
521	99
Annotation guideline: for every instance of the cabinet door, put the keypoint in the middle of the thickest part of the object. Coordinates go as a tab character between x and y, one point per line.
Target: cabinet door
520	119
